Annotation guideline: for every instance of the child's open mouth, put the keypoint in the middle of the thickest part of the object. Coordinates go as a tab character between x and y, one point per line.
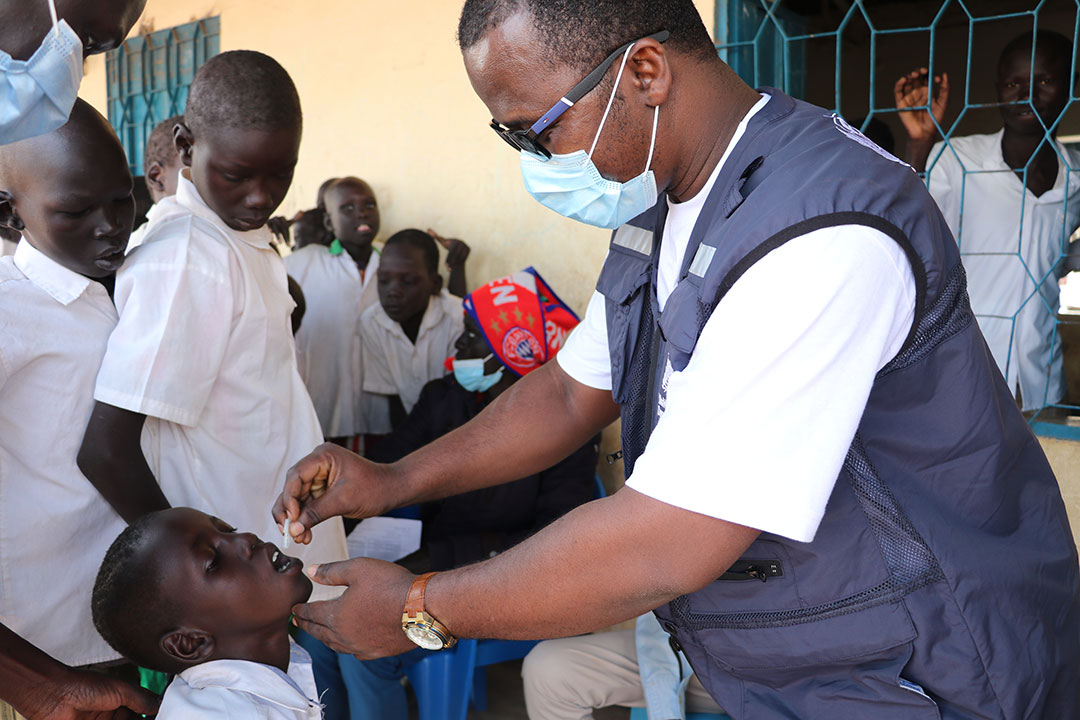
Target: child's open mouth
282	563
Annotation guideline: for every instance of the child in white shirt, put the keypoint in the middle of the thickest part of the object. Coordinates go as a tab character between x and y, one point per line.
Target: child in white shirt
69	193
184	593
407	337
203	354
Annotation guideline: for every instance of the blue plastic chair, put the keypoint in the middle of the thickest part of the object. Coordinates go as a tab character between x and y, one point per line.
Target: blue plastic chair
446	681
642	714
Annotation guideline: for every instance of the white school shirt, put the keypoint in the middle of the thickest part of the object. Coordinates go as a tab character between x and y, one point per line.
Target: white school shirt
994	199
757	426
393	365
138	235
204	349
54	526
7	247
240	689
336	295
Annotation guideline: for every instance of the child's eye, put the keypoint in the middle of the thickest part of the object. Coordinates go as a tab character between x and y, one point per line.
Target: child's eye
231	178
76	213
213	564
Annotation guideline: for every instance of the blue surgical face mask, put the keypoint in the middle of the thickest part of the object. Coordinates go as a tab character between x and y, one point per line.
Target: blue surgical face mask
36	95
573	187
470	374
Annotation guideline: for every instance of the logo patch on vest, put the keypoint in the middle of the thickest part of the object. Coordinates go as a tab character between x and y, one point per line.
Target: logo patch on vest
852	133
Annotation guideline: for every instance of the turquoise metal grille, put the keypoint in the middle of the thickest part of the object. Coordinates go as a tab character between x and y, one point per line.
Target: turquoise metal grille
149	76
846	55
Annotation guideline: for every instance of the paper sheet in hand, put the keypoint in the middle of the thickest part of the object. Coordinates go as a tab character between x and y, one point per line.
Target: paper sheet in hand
385	538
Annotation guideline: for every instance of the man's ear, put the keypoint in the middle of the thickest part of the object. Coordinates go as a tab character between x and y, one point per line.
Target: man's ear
8	216
188	646
153	176
436	286
651	71
328	225
184	141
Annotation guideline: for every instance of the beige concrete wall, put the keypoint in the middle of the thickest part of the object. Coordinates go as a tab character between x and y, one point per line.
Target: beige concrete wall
1064	456
386	97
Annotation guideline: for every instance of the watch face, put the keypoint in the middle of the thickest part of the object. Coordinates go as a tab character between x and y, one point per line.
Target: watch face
424	637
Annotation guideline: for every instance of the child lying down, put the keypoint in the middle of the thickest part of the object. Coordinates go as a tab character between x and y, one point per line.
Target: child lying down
184	593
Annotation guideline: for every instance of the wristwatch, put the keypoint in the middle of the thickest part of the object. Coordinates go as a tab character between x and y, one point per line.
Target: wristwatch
419	626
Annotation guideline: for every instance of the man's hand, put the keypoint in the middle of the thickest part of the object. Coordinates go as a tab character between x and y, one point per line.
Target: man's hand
912	94
366	620
456	250
332	481
78	695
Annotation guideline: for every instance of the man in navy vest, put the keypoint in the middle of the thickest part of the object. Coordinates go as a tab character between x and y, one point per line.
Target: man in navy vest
832	502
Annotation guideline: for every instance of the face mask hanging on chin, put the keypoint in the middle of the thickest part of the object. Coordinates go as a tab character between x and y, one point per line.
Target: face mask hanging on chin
470	374
572	186
37	95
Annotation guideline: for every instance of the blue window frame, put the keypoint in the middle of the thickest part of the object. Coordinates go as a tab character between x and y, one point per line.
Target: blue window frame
149	76
845	56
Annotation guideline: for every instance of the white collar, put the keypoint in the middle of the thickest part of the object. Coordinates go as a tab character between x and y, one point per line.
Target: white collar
294	690
65	286
187	195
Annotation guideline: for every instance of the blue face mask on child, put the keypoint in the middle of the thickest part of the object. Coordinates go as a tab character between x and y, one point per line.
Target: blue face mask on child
573	187
36	95
470	374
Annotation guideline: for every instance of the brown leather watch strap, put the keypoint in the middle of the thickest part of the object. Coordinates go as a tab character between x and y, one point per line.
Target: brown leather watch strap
414	600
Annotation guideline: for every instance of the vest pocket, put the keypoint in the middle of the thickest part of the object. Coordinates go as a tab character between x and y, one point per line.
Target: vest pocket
624	282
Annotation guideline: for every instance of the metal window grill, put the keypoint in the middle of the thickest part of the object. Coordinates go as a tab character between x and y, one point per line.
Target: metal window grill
846	55
149	76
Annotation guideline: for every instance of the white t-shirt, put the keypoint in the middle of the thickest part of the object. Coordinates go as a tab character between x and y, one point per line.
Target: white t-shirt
241	689
204	349
995	246
758	424
393	365
54	526
336	295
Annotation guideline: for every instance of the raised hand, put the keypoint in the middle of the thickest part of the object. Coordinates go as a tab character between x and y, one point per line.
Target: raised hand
912	95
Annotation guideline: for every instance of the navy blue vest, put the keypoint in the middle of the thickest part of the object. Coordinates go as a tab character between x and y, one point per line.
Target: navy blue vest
945	559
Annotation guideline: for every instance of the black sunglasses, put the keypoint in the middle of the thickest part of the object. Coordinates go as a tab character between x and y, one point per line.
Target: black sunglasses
526	139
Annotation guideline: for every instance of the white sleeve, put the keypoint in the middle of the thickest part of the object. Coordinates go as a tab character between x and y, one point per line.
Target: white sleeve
758	424
377	376
176	302
585	356
944	183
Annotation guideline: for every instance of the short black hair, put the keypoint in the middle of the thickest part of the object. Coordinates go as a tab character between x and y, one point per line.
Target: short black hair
1059	47
160	147
128	609
581	33
421	241
320	197
242	89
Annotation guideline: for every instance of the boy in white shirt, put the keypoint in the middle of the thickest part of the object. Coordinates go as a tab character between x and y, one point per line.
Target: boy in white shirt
338	285
408	335
203	354
69	193
184	593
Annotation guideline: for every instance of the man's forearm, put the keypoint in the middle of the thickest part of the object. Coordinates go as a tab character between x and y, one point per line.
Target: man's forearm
602	563
917	153
506	441
112	460
456	285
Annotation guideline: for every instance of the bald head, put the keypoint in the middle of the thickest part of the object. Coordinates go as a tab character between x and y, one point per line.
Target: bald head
69	193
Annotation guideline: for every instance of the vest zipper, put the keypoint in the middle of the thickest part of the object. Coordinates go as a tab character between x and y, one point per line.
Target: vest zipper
753	570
